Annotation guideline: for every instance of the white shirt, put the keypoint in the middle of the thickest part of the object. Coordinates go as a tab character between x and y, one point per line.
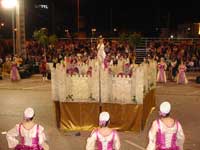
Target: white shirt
91	141
168	135
27	134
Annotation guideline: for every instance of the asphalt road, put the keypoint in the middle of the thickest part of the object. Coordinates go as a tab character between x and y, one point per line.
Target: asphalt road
33	92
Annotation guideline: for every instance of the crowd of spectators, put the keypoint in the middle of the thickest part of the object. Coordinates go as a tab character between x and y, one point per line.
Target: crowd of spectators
187	51
83	50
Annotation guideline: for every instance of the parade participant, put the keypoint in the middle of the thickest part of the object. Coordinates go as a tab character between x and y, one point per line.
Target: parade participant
166	133
101	55
43	70
14	73
173	68
161	76
181	77
103	138
31	135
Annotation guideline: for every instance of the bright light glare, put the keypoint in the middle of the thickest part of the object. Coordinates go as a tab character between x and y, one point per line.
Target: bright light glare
9	3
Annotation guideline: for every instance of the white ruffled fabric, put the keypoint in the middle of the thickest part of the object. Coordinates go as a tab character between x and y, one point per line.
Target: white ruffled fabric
27	134
168	135
91	141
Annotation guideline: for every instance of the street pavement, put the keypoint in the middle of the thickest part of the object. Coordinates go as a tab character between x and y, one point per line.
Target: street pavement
33	92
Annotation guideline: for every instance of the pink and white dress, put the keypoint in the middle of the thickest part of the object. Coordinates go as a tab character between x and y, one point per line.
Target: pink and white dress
29	139
181	77
161	76
162	137
98	142
14	73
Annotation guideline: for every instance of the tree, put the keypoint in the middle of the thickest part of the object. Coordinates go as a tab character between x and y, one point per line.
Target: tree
123	37
53	39
42	37
134	39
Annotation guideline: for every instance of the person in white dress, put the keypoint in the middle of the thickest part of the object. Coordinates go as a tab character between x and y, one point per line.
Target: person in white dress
31	135
103	138
101	55
166	133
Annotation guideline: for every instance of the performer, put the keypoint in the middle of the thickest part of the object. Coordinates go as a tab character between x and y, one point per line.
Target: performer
43	70
181	77
166	133
104	138
14	73
101	55
161	76
31	135
173	68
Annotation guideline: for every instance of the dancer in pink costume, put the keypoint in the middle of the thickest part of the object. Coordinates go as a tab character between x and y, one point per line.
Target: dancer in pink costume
31	135
166	133
181	77
161	76
103	138
14	73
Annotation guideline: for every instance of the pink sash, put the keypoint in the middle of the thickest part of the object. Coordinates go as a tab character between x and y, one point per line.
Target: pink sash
109	144
35	141
160	139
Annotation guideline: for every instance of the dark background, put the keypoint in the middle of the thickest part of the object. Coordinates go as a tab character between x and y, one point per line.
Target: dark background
104	15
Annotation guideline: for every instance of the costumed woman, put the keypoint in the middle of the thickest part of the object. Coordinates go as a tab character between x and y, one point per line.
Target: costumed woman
166	133
31	135
103	138
101	55
161	76
181	77
14	73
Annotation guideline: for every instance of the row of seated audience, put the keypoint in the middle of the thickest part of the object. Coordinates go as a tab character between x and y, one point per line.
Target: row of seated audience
81	52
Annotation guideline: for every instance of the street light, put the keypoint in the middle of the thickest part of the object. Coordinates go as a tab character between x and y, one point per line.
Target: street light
2	24
11	4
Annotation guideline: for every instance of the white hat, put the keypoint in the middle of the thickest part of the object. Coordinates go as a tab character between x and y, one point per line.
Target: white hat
28	113
104	116
165	108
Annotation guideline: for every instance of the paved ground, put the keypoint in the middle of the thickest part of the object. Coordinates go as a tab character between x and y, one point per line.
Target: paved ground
15	97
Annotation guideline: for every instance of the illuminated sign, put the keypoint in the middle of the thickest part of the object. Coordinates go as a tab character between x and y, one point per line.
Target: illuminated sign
41	6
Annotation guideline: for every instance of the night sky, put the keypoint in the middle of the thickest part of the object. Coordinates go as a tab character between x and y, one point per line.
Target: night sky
144	15
104	15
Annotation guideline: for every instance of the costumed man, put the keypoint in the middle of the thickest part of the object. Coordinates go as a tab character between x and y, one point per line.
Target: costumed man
103	138
43	70
31	135
166	133
173	68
